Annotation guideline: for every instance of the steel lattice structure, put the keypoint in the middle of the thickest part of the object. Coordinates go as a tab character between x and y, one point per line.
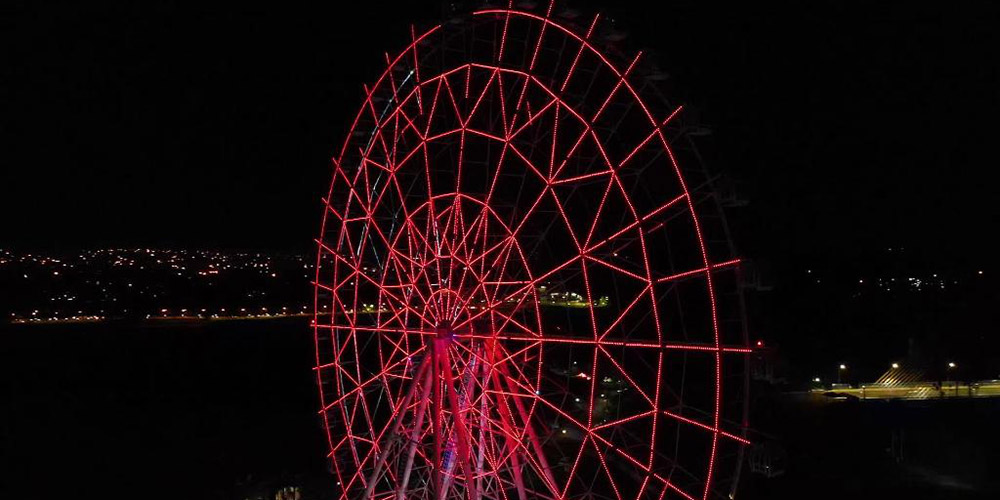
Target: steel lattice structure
524	286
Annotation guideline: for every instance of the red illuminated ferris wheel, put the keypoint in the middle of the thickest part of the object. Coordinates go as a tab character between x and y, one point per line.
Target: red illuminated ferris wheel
525	287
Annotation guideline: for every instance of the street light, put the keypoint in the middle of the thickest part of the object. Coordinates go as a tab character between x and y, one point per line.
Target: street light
951	366
841	370
895	366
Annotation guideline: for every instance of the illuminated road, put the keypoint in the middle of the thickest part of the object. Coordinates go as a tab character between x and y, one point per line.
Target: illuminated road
921	391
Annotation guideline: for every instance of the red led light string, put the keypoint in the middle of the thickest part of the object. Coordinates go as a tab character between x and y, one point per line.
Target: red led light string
583	177
429	241
503	35
705	426
454	102
636	224
614	90
378	82
628	309
576	58
649	137
625	375
604	465
541	35
479	100
616	268
538	459
456	414
385	290
506	426
531	285
416	68
395	417
615	423
375	378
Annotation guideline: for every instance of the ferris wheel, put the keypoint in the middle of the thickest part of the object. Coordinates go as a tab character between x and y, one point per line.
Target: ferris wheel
525	287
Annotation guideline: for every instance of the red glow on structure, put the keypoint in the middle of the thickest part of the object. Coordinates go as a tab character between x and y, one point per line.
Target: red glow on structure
437	355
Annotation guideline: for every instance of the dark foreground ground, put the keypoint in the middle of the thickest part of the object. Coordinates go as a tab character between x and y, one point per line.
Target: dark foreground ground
215	410
227	411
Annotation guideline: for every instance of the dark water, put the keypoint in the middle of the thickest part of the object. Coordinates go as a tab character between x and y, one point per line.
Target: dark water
228	411
223	410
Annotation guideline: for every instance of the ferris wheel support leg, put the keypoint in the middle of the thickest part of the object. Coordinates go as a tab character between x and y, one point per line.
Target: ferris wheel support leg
549	480
508	424
481	450
415	435
387	440
464	437
436	424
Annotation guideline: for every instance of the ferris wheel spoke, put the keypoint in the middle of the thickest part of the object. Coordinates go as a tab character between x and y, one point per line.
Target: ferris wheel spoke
576	58
508	422
611	342
385	290
541	36
612	181
583	135
705	426
624	373
698	272
397	419
604	465
634	225
416	67
453	101
617	269
528	163
418	259
434	106
505	120
361	386
576	462
479	100
479	226
530	284
581	177
643	293
618	85
459	428
649	137
515	133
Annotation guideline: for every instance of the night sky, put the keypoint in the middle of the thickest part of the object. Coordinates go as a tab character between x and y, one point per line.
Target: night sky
849	126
